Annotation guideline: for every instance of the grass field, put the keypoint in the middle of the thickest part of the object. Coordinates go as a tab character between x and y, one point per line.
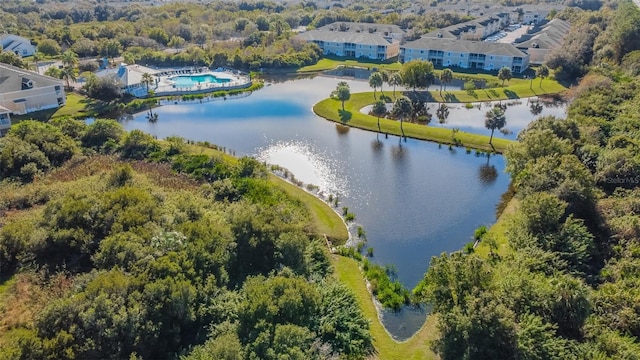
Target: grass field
416	348
325	64
330	109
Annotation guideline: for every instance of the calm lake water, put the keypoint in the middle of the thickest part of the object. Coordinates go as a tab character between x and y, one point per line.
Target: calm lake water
414	199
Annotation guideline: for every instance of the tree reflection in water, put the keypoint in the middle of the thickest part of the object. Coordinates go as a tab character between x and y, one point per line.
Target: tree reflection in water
341	129
487	173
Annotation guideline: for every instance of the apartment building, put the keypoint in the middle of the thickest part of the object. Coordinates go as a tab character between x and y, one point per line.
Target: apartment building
23	91
465	54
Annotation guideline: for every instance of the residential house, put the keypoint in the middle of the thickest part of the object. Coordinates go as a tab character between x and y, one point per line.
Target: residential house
358	40
5	120
17	45
465	54
541	40
23	91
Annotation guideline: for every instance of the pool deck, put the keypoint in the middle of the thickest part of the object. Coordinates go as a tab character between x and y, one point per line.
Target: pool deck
166	87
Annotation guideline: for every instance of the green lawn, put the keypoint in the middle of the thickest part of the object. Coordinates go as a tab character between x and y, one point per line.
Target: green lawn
330	64
330	109
418	347
77	106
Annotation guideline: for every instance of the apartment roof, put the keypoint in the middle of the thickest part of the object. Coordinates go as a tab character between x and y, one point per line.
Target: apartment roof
343	26
344	37
465	46
468	27
14	79
550	36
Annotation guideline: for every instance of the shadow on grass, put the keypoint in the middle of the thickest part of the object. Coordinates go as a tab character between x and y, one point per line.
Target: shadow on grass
345	116
511	95
449	97
419	96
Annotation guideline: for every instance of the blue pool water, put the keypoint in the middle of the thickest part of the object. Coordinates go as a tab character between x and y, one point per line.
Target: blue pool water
193	80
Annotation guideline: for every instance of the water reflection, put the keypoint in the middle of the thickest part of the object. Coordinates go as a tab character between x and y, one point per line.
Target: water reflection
487	174
342	129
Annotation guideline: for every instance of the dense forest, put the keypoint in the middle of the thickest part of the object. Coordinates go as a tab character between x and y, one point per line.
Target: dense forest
243	35
565	285
115	245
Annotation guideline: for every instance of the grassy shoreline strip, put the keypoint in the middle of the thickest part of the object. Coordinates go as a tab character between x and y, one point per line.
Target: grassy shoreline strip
330	109
323	217
417	347
498	232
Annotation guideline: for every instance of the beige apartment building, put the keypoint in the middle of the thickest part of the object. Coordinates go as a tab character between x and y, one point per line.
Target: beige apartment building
23	91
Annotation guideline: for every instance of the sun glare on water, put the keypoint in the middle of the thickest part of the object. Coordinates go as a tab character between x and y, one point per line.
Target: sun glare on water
307	164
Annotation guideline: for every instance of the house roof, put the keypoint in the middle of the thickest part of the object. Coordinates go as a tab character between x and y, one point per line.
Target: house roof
344	37
343	26
465	46
12	42
14	79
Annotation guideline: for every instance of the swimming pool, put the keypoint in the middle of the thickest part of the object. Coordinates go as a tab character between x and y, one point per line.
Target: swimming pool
193	80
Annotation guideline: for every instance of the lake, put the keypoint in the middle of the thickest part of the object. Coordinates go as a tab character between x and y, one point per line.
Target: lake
413	198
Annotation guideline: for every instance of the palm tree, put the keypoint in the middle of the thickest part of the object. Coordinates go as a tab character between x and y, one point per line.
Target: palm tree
69	74
504	74
385	79
147	80
402	109
70	59
494	119
542	72
379	109
394	80
445	77
343	94
375	81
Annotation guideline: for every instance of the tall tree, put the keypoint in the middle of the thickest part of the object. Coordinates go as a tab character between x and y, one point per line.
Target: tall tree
70	59
401	110
395	79
445	77
379	109
147	81
375	81
542	72
504	74
342	93
494	119
417	74
69	74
